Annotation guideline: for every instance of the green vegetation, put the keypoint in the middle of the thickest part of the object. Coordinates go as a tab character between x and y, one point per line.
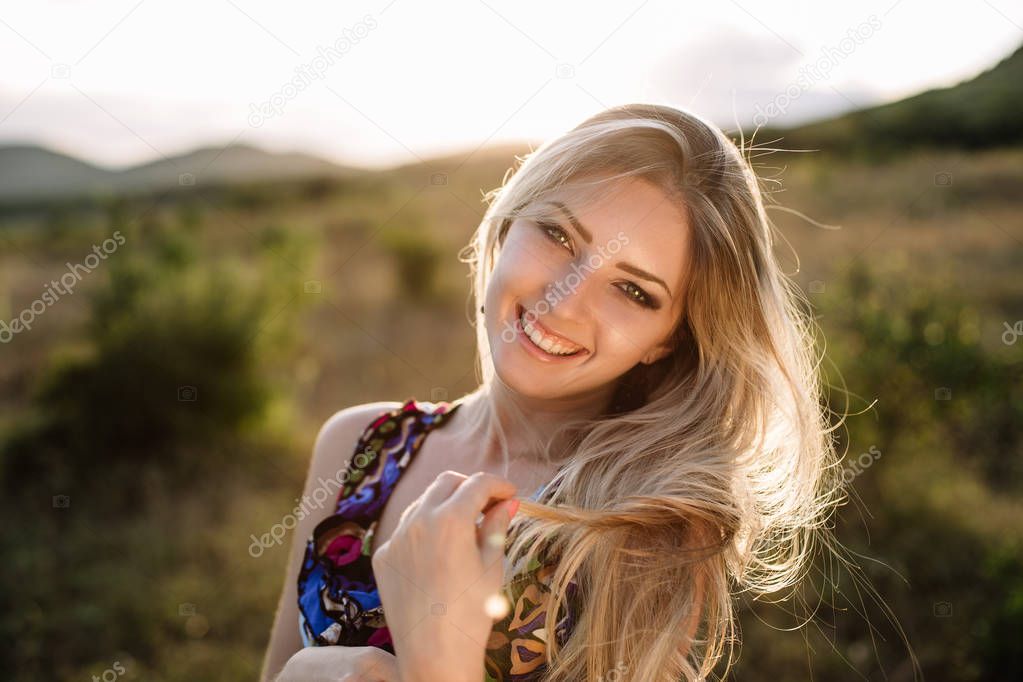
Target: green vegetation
417	258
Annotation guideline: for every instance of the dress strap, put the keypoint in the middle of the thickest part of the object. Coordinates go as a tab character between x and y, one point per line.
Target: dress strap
390	441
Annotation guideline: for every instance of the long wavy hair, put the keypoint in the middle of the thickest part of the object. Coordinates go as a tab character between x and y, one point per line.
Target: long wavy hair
716	464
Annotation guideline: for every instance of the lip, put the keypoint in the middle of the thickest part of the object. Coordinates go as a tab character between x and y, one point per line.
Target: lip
538	352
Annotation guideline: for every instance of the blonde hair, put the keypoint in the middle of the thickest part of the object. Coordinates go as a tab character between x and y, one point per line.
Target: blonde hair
714	464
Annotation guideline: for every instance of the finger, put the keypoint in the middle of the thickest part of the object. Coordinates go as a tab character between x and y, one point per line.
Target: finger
438	491
372	667
446	483
384	668
492	552
474	495
493	531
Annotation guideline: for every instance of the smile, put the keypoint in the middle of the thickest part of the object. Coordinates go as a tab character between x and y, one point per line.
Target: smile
545	341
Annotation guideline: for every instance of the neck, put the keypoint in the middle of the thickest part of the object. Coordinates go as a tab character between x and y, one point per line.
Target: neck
525	422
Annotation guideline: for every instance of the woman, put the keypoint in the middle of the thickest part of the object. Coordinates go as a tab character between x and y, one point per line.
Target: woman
642	354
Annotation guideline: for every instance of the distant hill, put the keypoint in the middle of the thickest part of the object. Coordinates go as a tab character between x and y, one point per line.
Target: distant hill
985	111
30	172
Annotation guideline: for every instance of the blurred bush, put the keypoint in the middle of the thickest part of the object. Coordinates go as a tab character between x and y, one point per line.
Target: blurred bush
416	258
136	432
172	359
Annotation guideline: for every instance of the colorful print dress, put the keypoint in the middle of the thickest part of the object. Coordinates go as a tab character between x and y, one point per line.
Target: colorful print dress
338	601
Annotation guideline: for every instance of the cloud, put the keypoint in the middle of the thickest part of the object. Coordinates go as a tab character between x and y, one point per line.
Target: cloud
727	74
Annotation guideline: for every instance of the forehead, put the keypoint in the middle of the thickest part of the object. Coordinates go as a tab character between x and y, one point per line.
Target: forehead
653	225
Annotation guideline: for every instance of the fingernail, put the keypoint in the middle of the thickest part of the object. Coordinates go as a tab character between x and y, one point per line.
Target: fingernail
512	508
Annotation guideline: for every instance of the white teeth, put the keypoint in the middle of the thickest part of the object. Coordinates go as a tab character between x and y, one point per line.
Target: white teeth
550	346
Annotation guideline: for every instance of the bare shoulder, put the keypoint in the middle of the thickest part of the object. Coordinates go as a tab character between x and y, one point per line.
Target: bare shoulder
340	433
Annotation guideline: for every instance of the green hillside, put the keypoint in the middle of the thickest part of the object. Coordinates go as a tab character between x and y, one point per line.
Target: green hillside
983	112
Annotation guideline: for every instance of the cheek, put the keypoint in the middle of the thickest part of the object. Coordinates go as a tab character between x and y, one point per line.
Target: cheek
621	339
525	261
626	333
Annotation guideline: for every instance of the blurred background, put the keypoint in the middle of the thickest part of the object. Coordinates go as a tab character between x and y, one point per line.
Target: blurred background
222	222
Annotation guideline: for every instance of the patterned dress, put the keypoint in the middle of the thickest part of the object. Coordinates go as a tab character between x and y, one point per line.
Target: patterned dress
338	600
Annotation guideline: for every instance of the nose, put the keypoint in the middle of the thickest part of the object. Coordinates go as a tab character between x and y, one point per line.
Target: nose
571	299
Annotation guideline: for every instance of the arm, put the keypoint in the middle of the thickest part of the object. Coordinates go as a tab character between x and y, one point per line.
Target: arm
334	445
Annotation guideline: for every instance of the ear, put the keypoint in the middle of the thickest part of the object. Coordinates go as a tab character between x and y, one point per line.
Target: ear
656	354
664	349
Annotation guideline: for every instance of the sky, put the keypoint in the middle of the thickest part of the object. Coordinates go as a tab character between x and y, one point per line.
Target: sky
382	83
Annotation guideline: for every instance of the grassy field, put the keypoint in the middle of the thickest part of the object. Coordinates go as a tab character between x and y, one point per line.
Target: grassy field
162	412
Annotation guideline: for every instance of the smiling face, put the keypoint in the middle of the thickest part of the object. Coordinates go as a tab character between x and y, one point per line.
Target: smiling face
603	279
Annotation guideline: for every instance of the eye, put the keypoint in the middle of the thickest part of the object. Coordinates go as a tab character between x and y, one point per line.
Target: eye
553	232
643	298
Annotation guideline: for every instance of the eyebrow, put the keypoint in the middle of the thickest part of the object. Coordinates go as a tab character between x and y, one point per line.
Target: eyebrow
588	238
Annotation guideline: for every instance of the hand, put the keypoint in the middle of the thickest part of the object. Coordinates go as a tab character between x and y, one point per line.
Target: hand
340	664
438	570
